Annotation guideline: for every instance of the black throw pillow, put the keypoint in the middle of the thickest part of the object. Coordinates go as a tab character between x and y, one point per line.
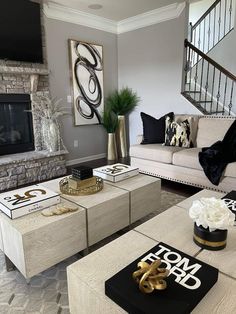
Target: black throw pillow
154	129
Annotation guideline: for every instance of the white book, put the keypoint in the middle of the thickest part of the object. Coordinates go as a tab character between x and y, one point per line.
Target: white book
26	200
116	172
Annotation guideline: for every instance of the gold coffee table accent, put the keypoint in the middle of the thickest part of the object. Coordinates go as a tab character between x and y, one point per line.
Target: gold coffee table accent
150	277
66	189
58	210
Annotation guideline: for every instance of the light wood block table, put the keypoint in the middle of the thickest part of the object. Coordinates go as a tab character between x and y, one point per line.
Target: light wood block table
107	211
117	205
34	242
144	195
186	204
173	227
225	259
86	278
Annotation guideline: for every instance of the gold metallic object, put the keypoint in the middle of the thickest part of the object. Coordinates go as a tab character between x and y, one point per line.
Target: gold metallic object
121	137
111	147
77	184
150	277
58	210
65	187
209	243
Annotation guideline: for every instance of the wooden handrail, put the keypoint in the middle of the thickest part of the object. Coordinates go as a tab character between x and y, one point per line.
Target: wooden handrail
205	14
211	61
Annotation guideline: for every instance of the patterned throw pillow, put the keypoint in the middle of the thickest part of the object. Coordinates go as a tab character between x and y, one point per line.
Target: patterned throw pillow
178	134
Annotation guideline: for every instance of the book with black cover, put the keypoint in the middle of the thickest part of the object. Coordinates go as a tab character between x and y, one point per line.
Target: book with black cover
230	200
188	282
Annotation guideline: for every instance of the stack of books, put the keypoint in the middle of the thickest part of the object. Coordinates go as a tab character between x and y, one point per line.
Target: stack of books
82	177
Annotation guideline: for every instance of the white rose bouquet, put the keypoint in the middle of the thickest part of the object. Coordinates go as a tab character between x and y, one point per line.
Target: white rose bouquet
211	213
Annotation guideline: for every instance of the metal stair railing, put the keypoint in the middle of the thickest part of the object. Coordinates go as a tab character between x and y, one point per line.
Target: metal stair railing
208	85
212	26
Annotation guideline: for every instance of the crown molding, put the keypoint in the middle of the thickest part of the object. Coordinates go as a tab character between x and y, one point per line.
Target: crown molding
150	18
66	14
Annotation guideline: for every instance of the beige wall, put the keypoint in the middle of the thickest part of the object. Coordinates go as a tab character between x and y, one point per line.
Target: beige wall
92	138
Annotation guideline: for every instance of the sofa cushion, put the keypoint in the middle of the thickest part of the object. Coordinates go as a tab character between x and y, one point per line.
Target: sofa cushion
155	152
187	158
193	120
154	129
178	134
211	130
230	170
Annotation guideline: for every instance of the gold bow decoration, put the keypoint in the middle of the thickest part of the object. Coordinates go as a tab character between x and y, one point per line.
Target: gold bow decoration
150	277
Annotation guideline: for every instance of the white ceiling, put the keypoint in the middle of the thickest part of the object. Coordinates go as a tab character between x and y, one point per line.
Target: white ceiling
116	10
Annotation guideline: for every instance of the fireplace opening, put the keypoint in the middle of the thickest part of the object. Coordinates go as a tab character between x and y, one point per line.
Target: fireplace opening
16	127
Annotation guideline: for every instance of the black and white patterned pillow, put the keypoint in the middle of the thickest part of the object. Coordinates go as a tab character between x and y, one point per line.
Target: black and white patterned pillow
178	134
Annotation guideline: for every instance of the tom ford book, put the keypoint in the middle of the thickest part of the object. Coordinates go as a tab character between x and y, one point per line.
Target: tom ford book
188	282
116	172
23	201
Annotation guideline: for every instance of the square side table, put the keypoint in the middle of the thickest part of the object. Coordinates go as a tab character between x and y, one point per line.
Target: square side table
34	242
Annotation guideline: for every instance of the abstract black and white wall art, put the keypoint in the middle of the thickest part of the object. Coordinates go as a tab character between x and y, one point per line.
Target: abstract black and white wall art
87	81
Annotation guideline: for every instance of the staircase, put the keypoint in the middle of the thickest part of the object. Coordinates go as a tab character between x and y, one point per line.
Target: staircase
206	84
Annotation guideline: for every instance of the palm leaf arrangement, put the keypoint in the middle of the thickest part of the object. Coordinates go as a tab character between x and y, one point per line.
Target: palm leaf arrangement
122	102
118	104
110	121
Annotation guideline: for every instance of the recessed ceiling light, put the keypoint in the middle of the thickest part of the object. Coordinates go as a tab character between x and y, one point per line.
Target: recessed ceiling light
95	6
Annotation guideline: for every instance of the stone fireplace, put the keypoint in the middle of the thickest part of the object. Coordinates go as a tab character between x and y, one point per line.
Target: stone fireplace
32	81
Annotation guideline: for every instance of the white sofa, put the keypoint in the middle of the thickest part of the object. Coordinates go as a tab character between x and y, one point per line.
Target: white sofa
182	164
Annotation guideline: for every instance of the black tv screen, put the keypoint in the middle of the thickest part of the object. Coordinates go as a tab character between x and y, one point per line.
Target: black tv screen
20	31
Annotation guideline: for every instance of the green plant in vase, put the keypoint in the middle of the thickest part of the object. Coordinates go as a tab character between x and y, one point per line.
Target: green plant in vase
122	102
110	123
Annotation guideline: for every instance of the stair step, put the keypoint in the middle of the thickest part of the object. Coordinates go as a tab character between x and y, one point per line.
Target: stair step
202	101
216	112
193	91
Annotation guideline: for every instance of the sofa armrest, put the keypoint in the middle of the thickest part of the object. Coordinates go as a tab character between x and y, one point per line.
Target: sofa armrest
139	138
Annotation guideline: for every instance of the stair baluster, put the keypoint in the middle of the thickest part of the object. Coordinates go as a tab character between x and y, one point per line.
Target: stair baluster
207	85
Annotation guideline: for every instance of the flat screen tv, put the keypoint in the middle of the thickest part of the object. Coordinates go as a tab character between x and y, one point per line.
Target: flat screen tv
20	31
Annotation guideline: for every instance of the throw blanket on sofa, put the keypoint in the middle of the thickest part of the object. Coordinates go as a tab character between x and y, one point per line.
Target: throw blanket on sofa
214	159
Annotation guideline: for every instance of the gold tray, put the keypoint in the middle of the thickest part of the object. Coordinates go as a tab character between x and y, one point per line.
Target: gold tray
66	189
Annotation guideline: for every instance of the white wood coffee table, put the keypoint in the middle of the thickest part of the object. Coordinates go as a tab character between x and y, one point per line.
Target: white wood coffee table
86	278
117	205
34	243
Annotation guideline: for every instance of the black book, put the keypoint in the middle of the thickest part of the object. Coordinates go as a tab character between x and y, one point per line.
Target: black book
82	172
230	200
188	282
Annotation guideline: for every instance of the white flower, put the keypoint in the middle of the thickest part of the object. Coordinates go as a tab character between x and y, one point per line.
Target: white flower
212	213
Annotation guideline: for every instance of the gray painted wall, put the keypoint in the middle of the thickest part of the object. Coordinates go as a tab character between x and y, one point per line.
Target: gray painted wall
224	52
92	139
150	61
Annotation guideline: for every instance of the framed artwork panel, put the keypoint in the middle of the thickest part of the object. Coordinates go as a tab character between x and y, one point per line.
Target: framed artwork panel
86	62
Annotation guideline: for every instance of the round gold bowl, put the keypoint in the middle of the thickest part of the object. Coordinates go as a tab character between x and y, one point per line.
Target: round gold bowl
66	189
